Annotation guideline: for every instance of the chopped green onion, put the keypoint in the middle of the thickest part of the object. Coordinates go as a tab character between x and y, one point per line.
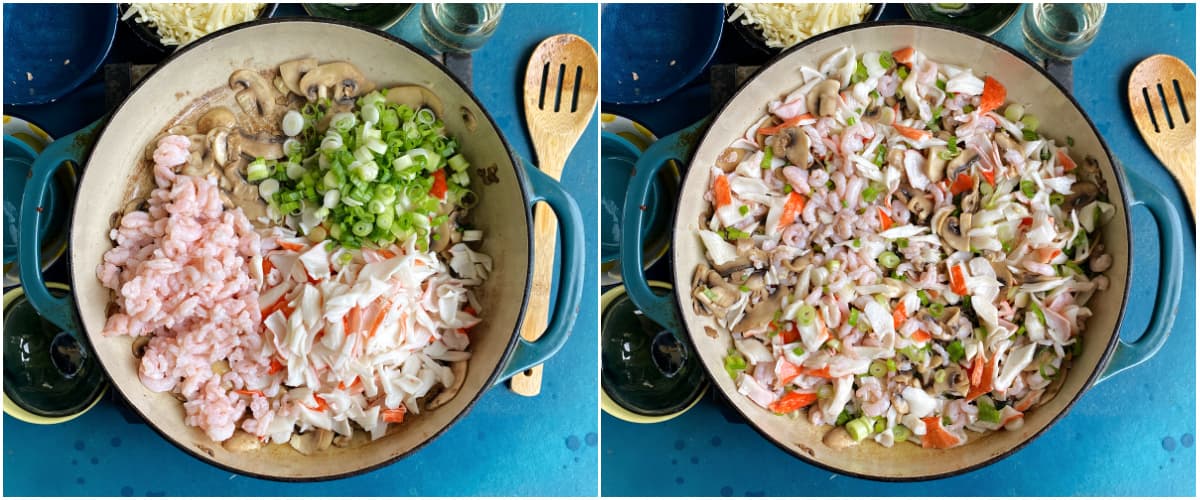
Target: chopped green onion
923	296
880	155
987	411
734	363
901	433
857	242
939	376
858	428
843	417
860	73
1070	141
1031	122
1077	347
936	309
956	351
1057	198
787	189
878	369
854	317
768	154
901	242
743	210
886	60
903	71
806	315
869	193
798	351
850	121
1037	311
1029	135
968	109
889	260
874	94
1045	155
1013	112
1028	188
891	365
257	170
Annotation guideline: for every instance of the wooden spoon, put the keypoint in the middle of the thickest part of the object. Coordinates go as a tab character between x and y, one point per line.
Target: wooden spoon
1162	96
560	97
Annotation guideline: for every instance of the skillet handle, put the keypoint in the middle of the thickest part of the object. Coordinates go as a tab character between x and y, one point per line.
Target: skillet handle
570	277
678	146
73	148
1162	316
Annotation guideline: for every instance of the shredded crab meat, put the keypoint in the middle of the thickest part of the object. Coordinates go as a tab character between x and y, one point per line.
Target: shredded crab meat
911	262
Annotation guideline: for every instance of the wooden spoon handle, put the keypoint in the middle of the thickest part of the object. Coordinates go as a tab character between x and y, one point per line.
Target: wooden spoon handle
537	311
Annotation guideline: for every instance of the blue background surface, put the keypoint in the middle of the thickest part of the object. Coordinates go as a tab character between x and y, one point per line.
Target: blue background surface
506	445
1132	435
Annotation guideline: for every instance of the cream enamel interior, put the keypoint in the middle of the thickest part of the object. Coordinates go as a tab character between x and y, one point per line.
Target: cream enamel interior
1059	119
502	214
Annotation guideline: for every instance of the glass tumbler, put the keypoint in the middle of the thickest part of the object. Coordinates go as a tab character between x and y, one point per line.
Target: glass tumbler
1060	31
459	27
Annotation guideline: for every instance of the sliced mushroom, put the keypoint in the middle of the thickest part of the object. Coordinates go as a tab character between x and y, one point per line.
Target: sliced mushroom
953	230
712	293
798	264
926	371
822	100
961	162
459	368
218	144
920	206
1082	193
760	315
292	71
953	380
895	158
742	262
312	442
255	95
935	166
1003	273
1005	141
181	130
729	159
218	117
415	97
345	80
139	346
242	441
354	440
971	198
838	438
266	146
794	143
880	114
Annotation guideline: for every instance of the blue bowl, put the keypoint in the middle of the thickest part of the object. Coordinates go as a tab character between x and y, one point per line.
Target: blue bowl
652	50
51	49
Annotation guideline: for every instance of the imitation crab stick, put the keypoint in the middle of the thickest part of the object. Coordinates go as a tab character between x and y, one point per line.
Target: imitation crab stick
791	209
904	56
786	372
958	284
885	221
993	95
1066	161
921	336
962	184
793	401
288	245
792	122
393	416
721	191
899	315
937	436
981	377
915	134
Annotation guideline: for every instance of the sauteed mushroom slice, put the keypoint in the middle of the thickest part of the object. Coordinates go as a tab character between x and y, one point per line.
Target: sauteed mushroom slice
292	71
838	438
760	315
953	230
730	158
793	143
935	166
970	199
255	95
415	97
459	368
951	380
218	117
1082	193
798	264
345	80
921	207
713	295
880	114
822	100
961	163
242	441
313	441
266	146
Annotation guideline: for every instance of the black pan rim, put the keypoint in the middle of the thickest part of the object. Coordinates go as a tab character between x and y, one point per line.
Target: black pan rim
1122	182
518	165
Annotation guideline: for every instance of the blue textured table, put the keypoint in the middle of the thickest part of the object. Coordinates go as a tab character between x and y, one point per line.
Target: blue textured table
1132	435
507	445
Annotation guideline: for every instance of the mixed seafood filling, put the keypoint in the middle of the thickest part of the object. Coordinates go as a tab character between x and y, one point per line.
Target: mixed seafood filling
298	268
900	253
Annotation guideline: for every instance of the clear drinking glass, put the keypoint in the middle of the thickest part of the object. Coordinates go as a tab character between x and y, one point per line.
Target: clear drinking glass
1060	30
459	27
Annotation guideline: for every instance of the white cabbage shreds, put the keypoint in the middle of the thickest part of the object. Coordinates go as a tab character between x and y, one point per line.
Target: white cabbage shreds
181	272
366	342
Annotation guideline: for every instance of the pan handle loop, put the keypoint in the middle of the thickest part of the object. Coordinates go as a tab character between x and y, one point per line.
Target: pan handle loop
73	148
1166	305
570	277
678	146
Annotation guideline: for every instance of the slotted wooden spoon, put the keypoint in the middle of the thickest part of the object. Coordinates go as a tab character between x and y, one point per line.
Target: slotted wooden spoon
560	95
1162	96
